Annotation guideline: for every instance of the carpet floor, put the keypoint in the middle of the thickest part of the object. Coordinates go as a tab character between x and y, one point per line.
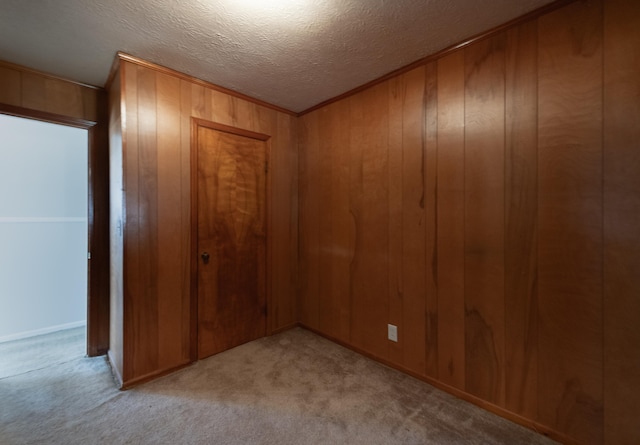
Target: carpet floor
291	388
41	351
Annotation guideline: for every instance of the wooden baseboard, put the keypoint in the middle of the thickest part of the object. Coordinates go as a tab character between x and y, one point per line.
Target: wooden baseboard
495	409
152	376
124	385
285	328
114	369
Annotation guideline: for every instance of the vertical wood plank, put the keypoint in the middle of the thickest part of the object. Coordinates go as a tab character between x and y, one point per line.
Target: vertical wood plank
309	228
413	221
292	155
277	224
171	296
621	234
92	105
242	114
200	102
570	221
34	92
334	222
484	219
521	170
10	86
265	120
431	228
283	174
144	305
395	246
326	176
222	108
369	206
186	108
63	98
341	219
450	220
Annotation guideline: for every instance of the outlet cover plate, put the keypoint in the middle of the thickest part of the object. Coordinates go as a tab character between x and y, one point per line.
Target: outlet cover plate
392	332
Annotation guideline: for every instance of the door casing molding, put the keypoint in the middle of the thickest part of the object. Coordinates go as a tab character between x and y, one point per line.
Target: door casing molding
97	244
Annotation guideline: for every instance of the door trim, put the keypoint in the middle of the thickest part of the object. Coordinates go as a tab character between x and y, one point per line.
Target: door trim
193	257
97	220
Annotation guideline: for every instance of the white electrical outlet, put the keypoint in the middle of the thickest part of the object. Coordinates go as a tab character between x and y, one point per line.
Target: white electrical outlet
392	332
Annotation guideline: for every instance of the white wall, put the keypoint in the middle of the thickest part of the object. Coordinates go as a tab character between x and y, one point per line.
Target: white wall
43	227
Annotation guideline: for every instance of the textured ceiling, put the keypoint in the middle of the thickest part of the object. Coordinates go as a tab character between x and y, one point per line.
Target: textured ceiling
291	53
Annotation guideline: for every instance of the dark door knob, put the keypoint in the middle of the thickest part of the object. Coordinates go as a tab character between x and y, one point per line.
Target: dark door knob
205	257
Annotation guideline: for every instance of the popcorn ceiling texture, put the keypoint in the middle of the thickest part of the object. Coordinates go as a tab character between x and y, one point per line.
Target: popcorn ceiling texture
291	53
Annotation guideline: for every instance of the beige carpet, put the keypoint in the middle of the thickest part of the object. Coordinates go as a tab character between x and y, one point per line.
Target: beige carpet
29	354
292	388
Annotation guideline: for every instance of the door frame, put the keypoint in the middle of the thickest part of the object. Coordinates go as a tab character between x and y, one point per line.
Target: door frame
97	221
193	257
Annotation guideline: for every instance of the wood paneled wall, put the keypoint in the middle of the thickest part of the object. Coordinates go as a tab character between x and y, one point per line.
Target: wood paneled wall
154	296
32	94
33	90
621	199
485	203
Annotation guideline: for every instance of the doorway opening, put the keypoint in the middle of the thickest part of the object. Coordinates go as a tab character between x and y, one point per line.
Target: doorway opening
43	234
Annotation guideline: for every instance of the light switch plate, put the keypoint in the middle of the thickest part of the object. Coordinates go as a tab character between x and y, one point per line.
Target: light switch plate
392	332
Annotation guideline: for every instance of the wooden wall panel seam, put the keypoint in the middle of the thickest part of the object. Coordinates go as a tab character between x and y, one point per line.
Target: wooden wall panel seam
549	245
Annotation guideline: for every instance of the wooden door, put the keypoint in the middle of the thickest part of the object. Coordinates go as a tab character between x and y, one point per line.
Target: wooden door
231	237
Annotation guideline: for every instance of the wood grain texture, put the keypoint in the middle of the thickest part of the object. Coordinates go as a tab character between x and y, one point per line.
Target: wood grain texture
528	220
395	244
189	333
521	243
232	230
11	86
413	221
309	261
156	297
355	186
326	298
430	167
450	221
170	271
284	225
334	228
368	204
143	347
484	219
621	235
24	87
342	235
129	225
570	221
